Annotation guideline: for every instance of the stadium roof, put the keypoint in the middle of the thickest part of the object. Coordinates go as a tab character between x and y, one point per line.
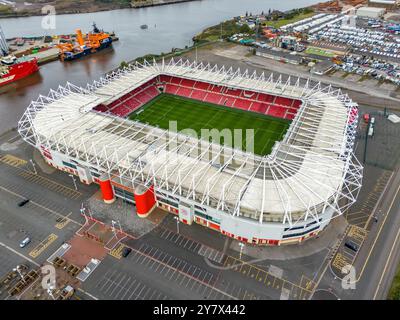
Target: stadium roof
313	168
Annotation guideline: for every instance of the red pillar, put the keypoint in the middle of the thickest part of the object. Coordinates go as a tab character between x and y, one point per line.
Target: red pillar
106	189
145	201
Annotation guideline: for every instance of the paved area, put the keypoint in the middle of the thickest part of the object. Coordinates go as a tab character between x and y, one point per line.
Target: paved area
124	215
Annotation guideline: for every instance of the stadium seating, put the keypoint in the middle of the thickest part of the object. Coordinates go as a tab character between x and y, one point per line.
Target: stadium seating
184	92
263	103
129	102
213	98
198	94
259	107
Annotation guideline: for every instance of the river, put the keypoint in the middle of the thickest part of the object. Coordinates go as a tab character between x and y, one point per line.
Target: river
169	26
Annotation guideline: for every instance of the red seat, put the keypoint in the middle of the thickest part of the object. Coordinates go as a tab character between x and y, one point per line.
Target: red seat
175	80
283	101
242	104
263	97
213	98
227	101
198	95
201	85
259	107
184	92
172	89
187	83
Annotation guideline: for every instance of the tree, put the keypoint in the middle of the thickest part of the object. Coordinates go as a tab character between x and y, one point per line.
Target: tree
245	29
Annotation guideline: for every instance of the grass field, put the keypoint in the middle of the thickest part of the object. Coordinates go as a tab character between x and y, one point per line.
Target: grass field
319	52
198	115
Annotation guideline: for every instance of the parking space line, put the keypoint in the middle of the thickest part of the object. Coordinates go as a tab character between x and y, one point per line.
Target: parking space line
42	246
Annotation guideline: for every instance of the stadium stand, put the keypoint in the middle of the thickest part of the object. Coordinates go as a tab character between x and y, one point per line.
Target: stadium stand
280	107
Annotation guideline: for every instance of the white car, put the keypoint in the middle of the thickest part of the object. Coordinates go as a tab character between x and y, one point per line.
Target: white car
25	242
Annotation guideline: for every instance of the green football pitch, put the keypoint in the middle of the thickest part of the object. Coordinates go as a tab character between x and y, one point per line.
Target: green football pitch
197	115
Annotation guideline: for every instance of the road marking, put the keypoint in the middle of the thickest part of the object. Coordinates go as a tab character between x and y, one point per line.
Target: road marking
13	160
63	222
259	274
39	205
50	184
386	264
87	293
191	277
43	245
377	236
19	254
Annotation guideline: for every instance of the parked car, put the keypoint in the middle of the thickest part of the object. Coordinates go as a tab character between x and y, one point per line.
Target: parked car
23	202
25	242
126	251
351	245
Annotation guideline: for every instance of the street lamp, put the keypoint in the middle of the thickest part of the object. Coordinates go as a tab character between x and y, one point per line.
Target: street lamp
50	291
18	270
33	165
177	224
74	181
113	222
241	245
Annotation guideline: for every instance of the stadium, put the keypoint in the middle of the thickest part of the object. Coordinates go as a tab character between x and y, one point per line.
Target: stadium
282	185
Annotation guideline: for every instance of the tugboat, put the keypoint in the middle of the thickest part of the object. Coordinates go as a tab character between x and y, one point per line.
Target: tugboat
13	69
93	42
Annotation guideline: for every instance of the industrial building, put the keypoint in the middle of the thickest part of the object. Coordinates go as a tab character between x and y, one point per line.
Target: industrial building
371	12
387	4
310	177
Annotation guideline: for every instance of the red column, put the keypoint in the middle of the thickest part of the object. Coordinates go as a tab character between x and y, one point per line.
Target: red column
145	201
106	189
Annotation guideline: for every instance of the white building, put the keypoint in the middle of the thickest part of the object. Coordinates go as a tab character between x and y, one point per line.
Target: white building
371	12
292	194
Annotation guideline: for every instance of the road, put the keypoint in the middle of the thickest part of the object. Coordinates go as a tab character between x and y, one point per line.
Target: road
378	258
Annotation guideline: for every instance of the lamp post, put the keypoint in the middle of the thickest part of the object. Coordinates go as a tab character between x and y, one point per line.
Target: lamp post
18	270
241	245
33	165
177	224
74	181
113	222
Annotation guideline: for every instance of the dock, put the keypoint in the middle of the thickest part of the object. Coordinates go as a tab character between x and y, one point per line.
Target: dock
43	48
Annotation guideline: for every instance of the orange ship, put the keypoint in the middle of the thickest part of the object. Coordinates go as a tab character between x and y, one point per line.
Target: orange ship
93	42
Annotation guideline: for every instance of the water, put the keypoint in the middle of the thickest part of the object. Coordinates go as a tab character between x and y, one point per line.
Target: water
169	26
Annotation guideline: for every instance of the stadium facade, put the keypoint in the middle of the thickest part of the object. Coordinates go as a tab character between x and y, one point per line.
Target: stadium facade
287	196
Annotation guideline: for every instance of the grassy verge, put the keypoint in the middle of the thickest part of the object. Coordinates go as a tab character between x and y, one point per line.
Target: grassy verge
5	10
224	29
281	22
394	293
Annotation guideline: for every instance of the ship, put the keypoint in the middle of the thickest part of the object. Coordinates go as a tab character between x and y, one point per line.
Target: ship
94	41
13	69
